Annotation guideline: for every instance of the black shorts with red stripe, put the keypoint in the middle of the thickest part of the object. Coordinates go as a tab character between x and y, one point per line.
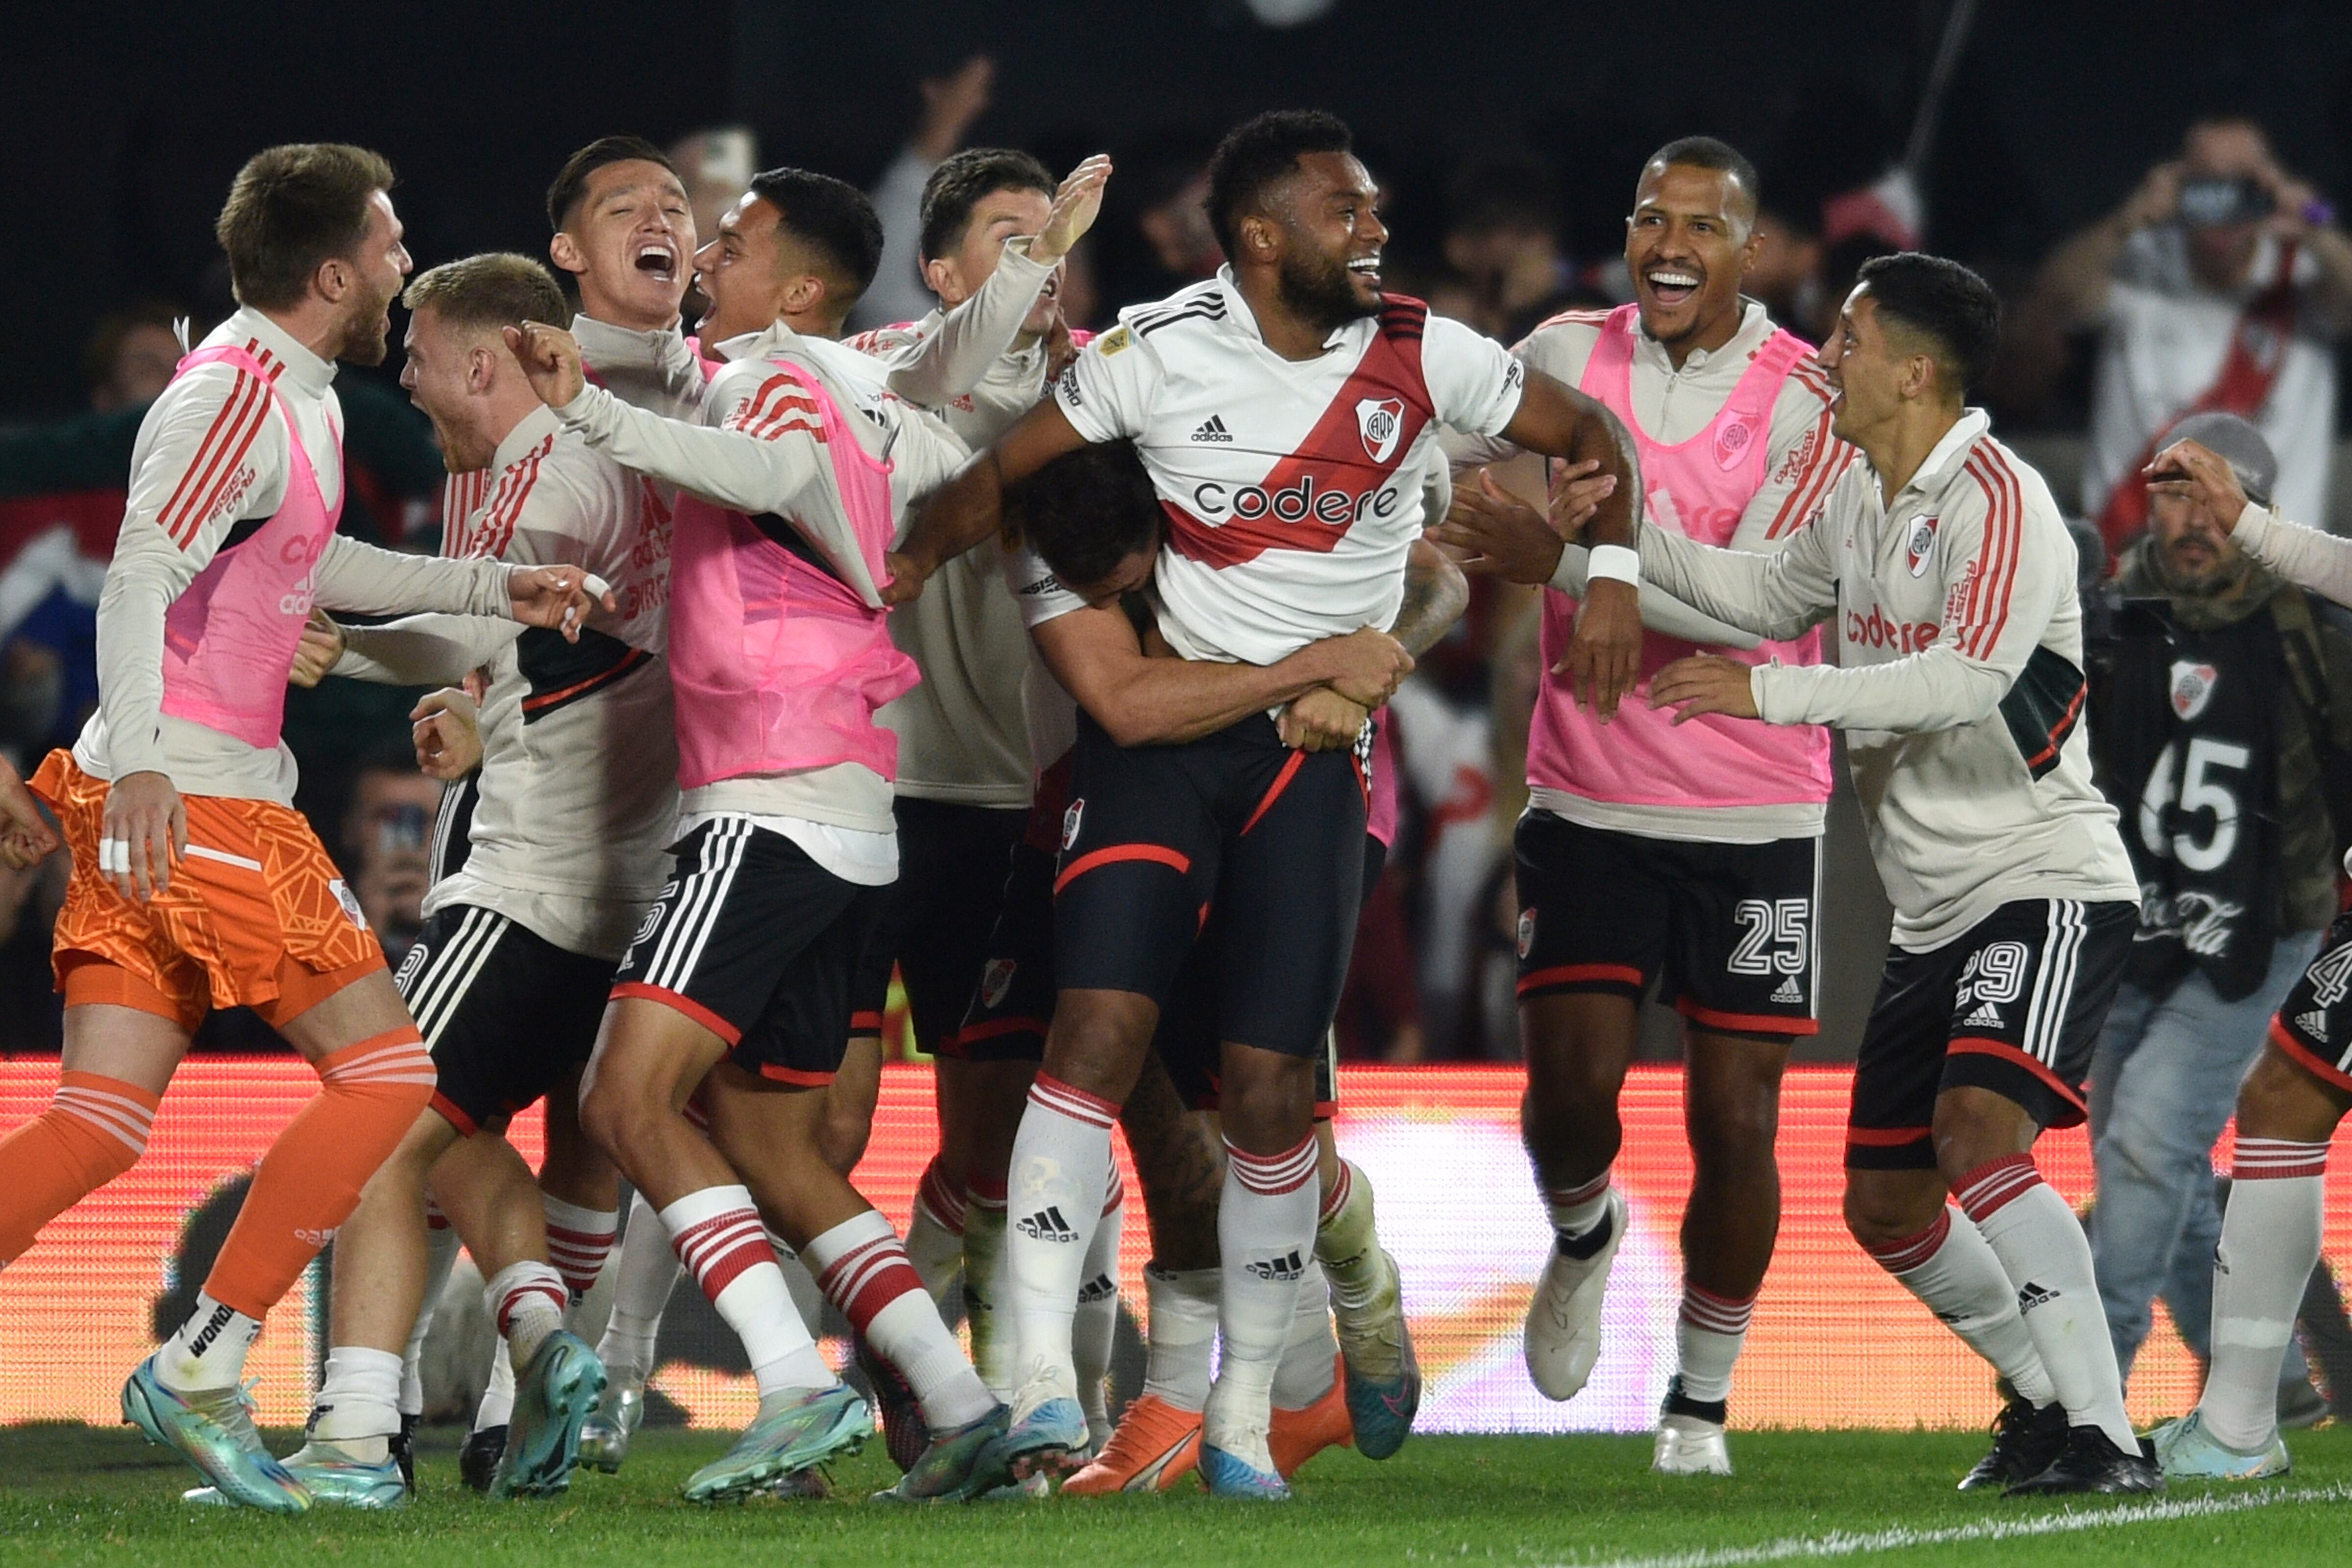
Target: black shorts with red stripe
757	943
2313	1025
1726	930
1011	1006
937	919
1157	836
2014	1004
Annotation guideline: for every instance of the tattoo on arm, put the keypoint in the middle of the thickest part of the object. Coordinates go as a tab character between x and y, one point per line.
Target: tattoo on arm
1435	595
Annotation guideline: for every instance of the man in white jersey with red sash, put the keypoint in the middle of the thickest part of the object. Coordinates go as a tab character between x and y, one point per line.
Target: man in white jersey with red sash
739	980
1708	835
1283	410
1953	576
195	884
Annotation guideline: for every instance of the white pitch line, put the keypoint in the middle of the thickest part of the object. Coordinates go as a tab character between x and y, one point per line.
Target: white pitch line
1842	1543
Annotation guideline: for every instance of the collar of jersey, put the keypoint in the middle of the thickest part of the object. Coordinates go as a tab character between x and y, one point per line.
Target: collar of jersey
1239	317
1946	454
524	438
305	372
1755	326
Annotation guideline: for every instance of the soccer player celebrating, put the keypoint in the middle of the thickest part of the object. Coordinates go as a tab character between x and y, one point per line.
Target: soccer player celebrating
195	884
575	802
1952	575
738	979
1282	408
1707	834
2289	1105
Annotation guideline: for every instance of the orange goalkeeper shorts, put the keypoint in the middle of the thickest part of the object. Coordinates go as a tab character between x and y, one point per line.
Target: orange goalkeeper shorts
257	915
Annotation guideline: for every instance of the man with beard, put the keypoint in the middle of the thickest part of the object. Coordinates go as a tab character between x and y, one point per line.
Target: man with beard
1282	409
195	884
1709	832
2218	742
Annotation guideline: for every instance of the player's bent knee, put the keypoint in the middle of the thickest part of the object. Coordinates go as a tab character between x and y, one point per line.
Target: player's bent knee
2282	1098
1886	1206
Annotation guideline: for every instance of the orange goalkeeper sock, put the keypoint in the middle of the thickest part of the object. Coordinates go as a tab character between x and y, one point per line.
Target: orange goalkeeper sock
93	1131
310	1181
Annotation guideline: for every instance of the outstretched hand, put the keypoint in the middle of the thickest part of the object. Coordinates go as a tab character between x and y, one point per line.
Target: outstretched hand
1496	534
1075	206
550	357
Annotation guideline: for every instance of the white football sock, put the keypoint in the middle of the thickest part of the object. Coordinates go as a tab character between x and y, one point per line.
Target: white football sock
1708	1335
987	1284
357	1407
209	1349
1346	1243
1310	1355
2047	1258
2270	1243
1265	1238
1952	1269
935	1232
719	1239
1061	1165
496	1406
440	1257
1094	1328
1183	1334
648	1271
526	1300
862	1269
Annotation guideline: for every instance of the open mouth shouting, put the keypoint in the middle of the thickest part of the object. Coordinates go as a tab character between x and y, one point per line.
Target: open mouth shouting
1672	286
657	259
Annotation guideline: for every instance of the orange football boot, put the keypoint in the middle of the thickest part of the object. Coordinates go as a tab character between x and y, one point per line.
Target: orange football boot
1155	1446
1297	1436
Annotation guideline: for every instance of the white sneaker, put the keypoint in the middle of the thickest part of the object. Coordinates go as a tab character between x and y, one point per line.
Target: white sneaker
1690	1447
1563	1333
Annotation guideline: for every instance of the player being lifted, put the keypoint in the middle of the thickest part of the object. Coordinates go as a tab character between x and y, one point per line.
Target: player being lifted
2289	1105
1953	576
1706	835
738	979
195	884
1295	527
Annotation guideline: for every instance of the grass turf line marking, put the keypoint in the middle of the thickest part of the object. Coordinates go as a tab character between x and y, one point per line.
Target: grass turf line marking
1843	1544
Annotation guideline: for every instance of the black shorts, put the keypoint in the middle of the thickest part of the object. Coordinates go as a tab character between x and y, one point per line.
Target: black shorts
1187	1037
1012	1001
2313	1025
953	861
1731	926
507	1014
759	944
2014	1004
1156	836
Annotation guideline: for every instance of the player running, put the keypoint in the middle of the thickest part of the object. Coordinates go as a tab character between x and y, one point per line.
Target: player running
1293	526
738	979
576	799
1953	576
195	884
1708	836
2289	1105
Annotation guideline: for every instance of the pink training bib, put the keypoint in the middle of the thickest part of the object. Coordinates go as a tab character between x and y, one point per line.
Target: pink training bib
1699	489
777	664
229	640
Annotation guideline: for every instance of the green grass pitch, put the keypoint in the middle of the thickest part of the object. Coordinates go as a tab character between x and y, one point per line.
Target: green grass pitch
71	1494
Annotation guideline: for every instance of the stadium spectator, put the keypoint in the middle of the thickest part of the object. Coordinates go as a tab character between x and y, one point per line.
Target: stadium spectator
2220	285
386	834
950	103
131	355
1504	238
2228	795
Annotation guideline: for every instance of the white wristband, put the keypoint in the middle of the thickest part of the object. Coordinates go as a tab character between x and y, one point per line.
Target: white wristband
1618	563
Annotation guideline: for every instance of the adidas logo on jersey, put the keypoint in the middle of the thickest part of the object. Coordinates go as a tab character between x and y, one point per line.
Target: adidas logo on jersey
1047	1225
1987	1016
1213	430
1788	991
2313	1023
2031	1295
1101	1288
1287	1267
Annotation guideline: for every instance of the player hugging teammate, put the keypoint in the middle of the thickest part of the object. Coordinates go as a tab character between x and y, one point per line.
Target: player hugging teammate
961	647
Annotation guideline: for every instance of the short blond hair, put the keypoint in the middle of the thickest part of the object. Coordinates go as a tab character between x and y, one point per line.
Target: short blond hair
497	288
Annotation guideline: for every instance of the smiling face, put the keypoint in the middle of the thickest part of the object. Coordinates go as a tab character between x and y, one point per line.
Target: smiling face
372	274
1000	215
628	241
1688	244
1326	234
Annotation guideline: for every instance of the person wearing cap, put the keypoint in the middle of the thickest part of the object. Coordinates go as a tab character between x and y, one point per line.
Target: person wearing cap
2215	736
2220	286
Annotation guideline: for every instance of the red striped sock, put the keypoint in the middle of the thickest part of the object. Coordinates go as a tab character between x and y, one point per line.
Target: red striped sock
862	1269
577	1241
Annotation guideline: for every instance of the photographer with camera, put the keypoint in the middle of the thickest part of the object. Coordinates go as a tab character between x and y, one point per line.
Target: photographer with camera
2218	286
2221	720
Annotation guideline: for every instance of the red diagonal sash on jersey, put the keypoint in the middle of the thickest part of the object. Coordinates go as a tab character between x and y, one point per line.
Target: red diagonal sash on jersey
1336	457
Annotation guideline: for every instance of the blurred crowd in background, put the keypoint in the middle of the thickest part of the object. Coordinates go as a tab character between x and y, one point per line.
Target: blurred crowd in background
2222	281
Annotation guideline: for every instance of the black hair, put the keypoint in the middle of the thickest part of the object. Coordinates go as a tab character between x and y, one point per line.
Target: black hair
1708	153
1086	512
1944	302
831	216
571	179
1261	151
957	186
